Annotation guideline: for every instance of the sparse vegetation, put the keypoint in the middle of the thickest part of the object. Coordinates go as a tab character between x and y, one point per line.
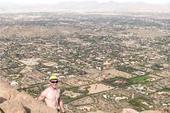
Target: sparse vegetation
138	80
141	103
84	50
113	81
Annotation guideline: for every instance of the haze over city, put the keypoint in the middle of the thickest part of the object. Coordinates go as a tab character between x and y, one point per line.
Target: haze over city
101	1
14	6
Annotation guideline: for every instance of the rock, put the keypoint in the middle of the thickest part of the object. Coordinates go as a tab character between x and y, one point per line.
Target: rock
32	104
129	110
120	98
150	111
14	84
6	91
12	101
105	96
12	107
1	111
2	100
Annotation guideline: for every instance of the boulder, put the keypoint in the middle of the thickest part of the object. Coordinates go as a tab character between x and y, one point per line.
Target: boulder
12	101
2	100
12	106
34	105
6	92
129	110
150	111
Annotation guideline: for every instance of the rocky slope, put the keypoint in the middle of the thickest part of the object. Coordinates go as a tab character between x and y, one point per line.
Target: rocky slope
12	101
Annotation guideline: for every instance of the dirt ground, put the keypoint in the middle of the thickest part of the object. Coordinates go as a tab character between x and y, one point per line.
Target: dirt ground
96	88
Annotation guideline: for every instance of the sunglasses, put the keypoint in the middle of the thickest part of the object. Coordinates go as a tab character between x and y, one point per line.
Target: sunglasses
54	81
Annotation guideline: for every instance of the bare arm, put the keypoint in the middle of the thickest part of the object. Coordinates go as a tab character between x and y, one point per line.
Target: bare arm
41	98
61	104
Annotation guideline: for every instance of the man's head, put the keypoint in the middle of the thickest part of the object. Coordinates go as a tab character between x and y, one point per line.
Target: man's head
53	80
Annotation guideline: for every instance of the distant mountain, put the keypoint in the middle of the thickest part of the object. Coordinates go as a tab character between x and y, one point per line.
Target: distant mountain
113	6
90	6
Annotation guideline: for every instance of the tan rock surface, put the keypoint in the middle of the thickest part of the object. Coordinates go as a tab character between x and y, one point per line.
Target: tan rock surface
12	107
151	111
96	88
12	100
129	110
6	91
98	112
35	106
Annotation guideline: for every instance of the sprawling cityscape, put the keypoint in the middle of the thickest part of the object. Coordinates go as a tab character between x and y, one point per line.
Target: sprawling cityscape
103	62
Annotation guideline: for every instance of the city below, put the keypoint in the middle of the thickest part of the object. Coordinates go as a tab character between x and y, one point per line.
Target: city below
104	62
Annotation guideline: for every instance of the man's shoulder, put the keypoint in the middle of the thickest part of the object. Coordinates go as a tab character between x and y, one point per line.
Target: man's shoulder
47	89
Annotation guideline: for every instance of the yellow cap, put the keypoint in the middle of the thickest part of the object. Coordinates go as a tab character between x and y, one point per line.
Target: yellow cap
53	77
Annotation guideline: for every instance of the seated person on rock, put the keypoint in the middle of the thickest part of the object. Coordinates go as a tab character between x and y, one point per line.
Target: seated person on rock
51	95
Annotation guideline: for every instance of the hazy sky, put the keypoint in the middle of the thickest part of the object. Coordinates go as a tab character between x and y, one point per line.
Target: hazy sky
56	1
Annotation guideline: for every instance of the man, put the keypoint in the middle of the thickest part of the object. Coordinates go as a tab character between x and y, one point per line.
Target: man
51	95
